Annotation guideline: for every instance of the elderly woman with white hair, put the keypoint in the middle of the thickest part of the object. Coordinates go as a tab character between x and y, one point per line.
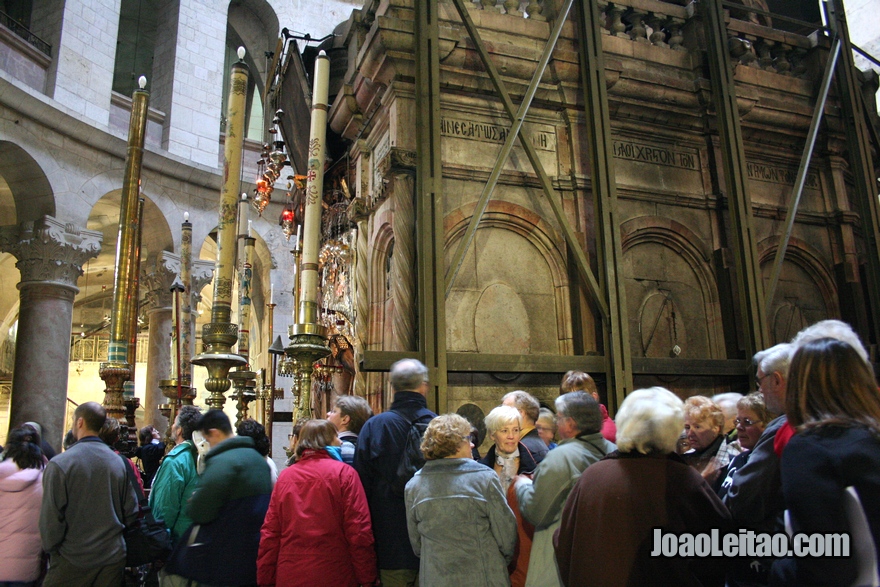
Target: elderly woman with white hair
616	505
508	456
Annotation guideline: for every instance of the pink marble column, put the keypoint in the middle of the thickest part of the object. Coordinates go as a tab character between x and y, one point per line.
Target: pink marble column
50	258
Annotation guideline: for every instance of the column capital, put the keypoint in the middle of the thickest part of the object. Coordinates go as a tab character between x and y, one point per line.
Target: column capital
50	251
158	277
202	275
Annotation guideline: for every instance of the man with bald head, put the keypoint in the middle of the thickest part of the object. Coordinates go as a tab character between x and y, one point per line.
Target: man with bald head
87	502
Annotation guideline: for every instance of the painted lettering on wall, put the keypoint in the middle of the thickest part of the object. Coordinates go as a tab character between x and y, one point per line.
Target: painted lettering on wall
657	155
783	175
493	133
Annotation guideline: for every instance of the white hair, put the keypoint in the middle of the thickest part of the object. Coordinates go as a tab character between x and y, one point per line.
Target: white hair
776	359
830	329
500	417
649	420
727	403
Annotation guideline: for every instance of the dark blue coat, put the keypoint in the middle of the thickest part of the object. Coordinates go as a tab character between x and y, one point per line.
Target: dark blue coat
379	448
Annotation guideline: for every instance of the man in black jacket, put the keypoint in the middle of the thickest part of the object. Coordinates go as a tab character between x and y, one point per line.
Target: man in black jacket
379	450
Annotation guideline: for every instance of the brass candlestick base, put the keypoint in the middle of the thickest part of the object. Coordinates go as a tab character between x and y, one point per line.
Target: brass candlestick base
170	390
242	381
114	375
165	410
218	359
308	343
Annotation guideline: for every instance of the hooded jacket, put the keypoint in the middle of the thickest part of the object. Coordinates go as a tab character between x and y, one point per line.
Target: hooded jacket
21	493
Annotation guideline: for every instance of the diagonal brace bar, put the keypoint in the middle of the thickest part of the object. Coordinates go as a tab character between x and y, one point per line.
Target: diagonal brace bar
798	190
580	256
503	155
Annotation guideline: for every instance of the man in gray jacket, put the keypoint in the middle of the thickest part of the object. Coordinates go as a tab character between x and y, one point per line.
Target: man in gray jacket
87	502
579	422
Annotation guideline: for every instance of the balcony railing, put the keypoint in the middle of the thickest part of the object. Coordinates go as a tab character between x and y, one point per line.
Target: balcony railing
25	34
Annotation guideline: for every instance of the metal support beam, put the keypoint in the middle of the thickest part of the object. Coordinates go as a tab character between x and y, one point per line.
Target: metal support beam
429	204
512	135
604	187
801	178
748	274
381	361
553	198
860	162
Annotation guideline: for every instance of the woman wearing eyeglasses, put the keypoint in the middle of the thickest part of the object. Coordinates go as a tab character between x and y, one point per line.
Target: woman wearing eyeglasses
751	420
458	519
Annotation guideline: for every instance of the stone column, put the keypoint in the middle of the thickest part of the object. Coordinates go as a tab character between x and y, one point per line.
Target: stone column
359	213
403	263
50	258
158	278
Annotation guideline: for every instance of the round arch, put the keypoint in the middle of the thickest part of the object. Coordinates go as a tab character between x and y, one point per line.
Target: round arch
695	254
24	187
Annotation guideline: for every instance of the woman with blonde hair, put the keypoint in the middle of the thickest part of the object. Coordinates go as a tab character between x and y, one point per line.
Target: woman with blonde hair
458	520
831	400
317	529
710	450
507	456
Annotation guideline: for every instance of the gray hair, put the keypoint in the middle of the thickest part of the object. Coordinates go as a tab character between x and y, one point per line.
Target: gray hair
583	409
500	417
727	403
776	359
830	329
408	375
649	420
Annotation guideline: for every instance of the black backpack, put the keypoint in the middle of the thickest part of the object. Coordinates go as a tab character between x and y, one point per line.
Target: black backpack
411	459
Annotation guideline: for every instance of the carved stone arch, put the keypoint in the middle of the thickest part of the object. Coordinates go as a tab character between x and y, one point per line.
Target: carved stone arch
806	292
381	247
653	283
513	285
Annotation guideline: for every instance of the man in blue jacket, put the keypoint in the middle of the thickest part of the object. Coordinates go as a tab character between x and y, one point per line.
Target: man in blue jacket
379	450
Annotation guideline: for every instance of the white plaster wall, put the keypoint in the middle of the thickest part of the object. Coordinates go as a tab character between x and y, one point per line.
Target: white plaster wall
85	57
863	18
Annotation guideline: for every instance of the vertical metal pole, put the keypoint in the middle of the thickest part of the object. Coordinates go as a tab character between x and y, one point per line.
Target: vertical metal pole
117	370
861	163
220	334
616	326
429	204
750	287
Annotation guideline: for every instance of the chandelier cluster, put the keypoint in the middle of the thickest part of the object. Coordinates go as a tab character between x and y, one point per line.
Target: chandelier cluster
270	166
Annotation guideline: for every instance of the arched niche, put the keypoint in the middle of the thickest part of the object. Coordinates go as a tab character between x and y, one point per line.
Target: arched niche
805	292
381	305
671	293
511	295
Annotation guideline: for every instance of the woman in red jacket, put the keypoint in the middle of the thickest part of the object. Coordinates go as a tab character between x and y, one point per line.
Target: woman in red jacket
317	530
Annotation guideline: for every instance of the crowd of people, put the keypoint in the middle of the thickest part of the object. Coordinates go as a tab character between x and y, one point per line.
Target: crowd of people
564	495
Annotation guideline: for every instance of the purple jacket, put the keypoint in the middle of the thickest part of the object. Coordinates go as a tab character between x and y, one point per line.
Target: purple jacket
21	493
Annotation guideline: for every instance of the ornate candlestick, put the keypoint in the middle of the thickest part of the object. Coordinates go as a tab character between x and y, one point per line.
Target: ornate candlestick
131	402
220	334
308	338
117	370
173	388
243	378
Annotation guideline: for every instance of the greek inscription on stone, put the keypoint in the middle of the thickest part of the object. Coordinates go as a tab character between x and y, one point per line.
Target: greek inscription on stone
783	175
657	155
492	133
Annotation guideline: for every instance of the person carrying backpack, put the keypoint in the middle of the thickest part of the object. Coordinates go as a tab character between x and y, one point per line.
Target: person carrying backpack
386	459
175	481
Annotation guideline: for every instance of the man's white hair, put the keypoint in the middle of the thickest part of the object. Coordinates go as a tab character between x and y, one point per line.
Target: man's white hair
650	420
776	359
830	329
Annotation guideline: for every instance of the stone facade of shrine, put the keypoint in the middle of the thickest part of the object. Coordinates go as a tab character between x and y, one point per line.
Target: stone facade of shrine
517	292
